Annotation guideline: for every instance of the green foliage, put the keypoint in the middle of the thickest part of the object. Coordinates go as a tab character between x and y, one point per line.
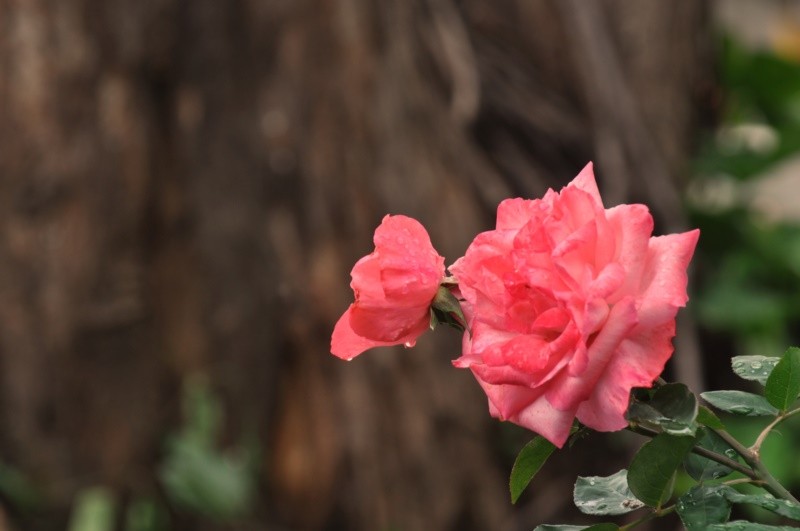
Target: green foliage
740	403
749	287
755	368
779	452
605	495
742	525
651	473
760	87
749	271
668	409
783	384
195	474
447	310
784	508
530	459
671	407
701	507
146	515
93	510
706	417
706	505
701	468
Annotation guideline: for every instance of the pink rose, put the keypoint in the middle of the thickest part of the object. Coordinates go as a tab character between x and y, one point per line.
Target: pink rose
394	287
570	305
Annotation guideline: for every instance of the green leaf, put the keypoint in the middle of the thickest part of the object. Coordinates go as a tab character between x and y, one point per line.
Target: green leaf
783	384
743	525
672	407
446	304
702	468
740	403
450	319
94	511
528	462
561	527
652	468
755	368
702	506
194	473
706	417
766	501
206	481
605	495
145	514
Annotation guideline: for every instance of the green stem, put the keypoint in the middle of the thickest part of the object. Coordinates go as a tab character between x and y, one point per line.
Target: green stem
742	481
752	458
646	518
704	452
756	448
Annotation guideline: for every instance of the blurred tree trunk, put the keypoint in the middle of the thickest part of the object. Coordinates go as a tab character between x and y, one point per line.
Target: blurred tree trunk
184	186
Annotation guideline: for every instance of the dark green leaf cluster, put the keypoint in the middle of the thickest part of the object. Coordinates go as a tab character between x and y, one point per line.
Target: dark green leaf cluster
686	436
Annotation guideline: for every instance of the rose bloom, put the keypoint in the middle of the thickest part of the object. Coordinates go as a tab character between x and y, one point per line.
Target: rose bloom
394	287
569	306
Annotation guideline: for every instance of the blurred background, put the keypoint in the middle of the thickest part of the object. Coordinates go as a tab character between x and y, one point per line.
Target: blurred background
185	185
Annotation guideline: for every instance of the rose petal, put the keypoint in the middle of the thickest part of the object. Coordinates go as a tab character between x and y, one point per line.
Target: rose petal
570	305
394	287
637	363
550	422
632	226
346	344
389	324
513	214
586	181
567	390
664	280
410	268
507	400
366	279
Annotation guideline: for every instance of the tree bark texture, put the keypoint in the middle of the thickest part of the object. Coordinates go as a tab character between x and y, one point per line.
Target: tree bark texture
184	186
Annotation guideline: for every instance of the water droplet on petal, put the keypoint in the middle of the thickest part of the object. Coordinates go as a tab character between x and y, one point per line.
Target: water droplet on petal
409	344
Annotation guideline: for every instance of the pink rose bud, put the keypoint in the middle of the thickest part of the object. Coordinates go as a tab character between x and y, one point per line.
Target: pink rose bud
570	306
394	287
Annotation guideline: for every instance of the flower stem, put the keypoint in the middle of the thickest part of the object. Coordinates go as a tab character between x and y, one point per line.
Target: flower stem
752	458
756	448
704	452
646	518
